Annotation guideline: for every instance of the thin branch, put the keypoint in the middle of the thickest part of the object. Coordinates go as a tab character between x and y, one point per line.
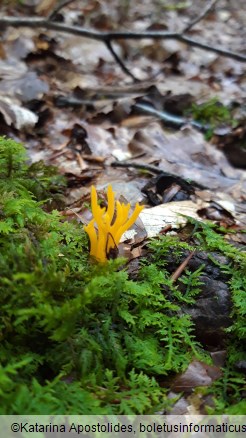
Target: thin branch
171	119
39	22
222	52
119	61
156	171
152	169
58	8
181	268
107	37
200	17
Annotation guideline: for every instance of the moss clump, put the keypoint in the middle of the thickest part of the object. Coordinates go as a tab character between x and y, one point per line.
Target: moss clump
77	337
212	114
74	335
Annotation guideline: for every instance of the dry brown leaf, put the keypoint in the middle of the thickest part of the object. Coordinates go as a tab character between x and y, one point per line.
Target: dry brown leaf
45	7
197	374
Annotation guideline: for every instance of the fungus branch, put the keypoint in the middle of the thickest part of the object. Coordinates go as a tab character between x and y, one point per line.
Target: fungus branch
111	224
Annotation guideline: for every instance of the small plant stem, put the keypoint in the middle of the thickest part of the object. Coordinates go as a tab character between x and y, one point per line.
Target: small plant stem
181	268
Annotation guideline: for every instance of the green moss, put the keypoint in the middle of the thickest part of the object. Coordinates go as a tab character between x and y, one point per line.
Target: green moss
212	113
228	391
78	337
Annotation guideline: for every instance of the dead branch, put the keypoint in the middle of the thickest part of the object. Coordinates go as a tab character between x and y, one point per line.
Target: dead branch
119	61
200	17
181	268
141	166
59	7
108	37
36	22
171	119
156	171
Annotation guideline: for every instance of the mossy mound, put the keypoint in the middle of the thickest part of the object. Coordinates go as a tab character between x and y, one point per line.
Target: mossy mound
77	337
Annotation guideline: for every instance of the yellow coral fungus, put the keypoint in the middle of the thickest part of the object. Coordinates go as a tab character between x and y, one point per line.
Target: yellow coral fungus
111	224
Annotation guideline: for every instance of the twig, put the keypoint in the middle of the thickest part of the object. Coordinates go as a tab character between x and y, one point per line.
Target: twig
170	118
58	8
152	169
37	22
200	17
156	171
119	61
222	52
181	268
108	37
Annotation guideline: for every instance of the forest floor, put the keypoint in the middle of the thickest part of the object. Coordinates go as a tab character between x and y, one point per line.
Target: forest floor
162	119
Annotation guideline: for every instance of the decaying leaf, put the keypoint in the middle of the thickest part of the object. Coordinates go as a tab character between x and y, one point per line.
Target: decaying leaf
21	118
173	213
197	374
